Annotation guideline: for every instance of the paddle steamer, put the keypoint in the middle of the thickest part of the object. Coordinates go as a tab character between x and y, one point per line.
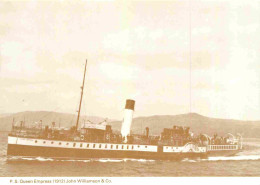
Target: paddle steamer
100	141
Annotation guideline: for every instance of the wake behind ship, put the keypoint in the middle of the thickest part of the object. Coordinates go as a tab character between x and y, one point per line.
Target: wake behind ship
100	141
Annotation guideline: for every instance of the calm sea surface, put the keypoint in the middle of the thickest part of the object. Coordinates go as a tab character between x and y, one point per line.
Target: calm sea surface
245	163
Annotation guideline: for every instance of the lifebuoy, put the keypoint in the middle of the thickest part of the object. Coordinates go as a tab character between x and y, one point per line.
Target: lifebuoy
82	137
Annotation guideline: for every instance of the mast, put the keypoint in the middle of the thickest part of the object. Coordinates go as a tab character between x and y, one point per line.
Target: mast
13	124
82	89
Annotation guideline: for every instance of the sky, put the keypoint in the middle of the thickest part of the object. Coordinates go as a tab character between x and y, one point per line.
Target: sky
171	57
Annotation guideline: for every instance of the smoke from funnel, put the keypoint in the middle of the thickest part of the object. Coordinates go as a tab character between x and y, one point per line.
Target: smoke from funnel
128	116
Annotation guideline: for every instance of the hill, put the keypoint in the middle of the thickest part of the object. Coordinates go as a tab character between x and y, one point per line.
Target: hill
62	119
198	123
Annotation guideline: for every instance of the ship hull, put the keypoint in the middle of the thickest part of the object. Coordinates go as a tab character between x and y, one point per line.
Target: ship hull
222	153
31	147
52	152
73	149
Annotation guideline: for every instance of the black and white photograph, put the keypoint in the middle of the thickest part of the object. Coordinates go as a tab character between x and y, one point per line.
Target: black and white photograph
129	89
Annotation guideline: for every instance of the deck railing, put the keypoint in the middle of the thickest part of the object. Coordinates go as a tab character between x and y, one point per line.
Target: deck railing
222	147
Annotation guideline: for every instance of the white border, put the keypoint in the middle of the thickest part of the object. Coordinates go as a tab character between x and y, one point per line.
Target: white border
136	180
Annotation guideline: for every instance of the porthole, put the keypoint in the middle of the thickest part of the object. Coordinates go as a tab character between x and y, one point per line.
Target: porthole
67	143
59	143
52	142
35	141
74	144
44	142
145	146
81	145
